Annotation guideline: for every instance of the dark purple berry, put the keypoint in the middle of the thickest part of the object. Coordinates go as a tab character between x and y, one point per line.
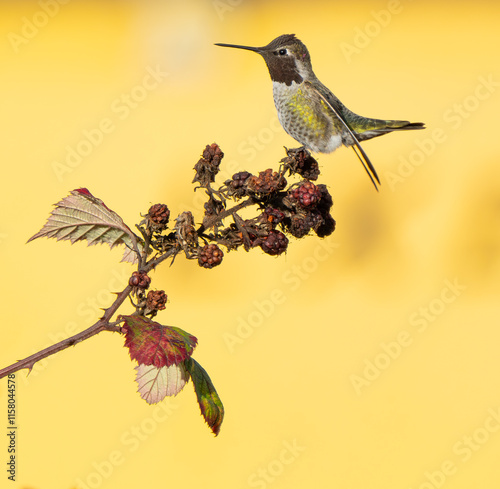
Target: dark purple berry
299	226
327	227
306	194
273	216
239	179
275	243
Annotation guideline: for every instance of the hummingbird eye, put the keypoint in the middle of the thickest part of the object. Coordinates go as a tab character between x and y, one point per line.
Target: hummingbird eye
282	52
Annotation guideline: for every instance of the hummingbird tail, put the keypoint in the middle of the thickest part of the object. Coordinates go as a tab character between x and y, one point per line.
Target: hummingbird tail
377	127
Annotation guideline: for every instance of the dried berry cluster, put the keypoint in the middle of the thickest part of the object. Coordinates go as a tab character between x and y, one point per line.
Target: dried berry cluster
304	207
301	162
156	300
210	256
158	216
282	209
208	166
148	304
139	280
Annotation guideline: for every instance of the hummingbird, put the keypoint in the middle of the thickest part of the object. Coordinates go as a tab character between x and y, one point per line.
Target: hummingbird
309	111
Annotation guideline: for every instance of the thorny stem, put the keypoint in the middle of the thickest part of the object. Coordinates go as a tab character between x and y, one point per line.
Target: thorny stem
222	215
102	325
147	243
152	264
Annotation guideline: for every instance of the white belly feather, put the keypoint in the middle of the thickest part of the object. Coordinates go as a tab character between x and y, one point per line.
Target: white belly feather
315	132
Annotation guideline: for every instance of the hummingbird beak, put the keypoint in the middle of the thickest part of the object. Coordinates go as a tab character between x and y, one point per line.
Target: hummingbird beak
237	46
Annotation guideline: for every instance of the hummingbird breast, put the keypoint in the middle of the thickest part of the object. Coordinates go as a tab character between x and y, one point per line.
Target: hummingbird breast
306	117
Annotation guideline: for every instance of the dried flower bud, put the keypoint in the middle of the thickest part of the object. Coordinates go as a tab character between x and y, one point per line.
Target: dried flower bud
185	230
213	207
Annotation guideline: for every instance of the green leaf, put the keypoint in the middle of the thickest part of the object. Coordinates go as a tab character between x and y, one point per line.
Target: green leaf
209	401
151	343
81	216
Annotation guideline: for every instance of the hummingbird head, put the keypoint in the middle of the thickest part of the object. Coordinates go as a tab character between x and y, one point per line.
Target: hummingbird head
287	59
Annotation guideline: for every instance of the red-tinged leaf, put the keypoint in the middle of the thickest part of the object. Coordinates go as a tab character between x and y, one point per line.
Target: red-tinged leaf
81	216
150	343
154	384
210	404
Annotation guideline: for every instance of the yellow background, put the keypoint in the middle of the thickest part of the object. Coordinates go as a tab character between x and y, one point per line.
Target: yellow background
429	241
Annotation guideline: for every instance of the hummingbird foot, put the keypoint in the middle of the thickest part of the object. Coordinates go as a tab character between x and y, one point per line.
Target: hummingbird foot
296	150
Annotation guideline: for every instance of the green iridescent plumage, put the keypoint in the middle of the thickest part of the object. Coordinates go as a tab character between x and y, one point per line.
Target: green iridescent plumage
309	111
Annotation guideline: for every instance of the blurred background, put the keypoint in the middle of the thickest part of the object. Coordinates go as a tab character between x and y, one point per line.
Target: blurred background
368	359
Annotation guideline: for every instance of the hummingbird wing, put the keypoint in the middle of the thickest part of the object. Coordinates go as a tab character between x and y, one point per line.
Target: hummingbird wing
368	128
348	135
